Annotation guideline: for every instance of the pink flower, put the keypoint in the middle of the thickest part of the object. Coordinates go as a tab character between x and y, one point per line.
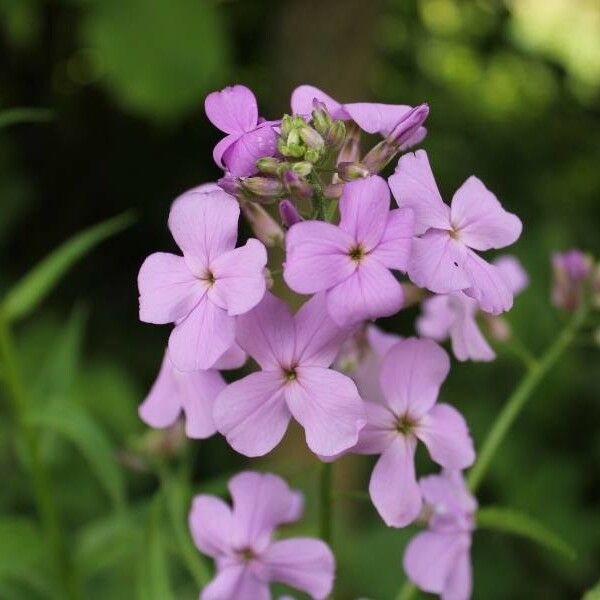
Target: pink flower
438	560
240	540
411	375
203	290
190	392
351	261
234	111
293	352
371	117
454	315
571	269
443	256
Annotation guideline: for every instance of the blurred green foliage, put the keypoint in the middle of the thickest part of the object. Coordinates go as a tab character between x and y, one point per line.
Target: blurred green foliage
514	89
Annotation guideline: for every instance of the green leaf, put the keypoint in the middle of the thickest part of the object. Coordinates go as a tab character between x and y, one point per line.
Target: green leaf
518	523
40	281
74	423
593	594
16	116
20	545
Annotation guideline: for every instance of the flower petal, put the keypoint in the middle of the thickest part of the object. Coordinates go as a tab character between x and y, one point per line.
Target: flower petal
302	563
204	225
445	433
234	583
168	289
233	109
211	525
460	580
317	256
202	337
379	432
364	209
302	102
162	405
374	117
267	333
326	403
222	146
487	285
513	271
438	263
240	158
251	413
371	292
413	186
393	486
436	318
411	375
394	247
233	358
468	342
479	218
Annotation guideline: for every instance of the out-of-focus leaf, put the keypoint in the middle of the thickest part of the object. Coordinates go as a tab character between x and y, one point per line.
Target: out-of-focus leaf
158	56
40	281
518	523
16	116
75	424
593	594
20	545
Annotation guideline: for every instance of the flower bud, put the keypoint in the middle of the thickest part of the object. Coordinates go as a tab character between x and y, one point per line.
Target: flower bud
407	127
268	165
264	226
336	135
303	168
296	186
333	190
321	118
231	185
572	271
349	171
312	155
311	138
264	188
350	149
498	327
289	214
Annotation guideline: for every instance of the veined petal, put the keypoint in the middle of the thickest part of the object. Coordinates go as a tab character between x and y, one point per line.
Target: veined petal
302	102
394	247
252	414
374	117
515	275
168	289
233	358
317	256
487	285
379	432
468	342
326	403
211	525
233	109
234	583
413	186
222	146
162	405
437	317
241	156
460	580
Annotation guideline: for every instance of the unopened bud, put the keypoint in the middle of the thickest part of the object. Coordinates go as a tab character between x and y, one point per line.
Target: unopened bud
296	186
349	171
336	135
321	118
402	134
311	138
264	188
350	149
268	165
303	168
334	190
289	214
498	327
264	226
292	150
572	270
312	155
231	185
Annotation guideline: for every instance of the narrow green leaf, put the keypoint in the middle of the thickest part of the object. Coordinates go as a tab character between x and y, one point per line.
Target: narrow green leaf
518	523
16	116
20	545
593	593
74	423
40	281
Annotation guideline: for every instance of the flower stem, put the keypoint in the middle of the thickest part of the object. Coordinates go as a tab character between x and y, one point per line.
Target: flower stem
521	395
40	479
326	503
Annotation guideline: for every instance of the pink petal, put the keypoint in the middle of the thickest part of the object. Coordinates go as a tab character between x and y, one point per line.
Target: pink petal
204	225
371	292
374	117
430	558
162	404
302	102
233	358
326	403
251	413
302	563
318	338
438	263
445	433
448	495
240	281
267	333
233	109
381	341
468	342
394	248
222	146
460	580
364	209
413	186
168	289
202	337
211	525
379	432
436	318
317	256
513	272
479	218
234	583
261	502
411	376
488	285
241	156
393	486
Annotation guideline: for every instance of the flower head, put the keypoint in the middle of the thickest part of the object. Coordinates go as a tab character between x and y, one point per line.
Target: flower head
444	257
294	353
571	270
240	540
411	375
351	261
438	560
203	290
235	112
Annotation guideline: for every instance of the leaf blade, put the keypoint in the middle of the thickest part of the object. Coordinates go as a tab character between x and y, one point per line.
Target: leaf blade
19	115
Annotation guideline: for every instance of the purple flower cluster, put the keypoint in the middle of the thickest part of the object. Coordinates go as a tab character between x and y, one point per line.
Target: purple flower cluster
348	234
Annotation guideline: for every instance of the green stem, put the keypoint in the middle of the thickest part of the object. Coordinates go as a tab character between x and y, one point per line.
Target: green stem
326	503
40	479
521	395
408	591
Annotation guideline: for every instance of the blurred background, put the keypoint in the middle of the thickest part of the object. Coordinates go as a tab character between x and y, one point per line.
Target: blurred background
514	91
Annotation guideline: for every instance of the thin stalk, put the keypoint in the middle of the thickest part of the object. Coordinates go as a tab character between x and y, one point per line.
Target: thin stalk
521	395
408	591
40	478
326	503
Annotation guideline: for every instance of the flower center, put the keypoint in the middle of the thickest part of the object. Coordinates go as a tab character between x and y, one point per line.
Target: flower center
356	253
290	373
246	554
405	424
209	278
